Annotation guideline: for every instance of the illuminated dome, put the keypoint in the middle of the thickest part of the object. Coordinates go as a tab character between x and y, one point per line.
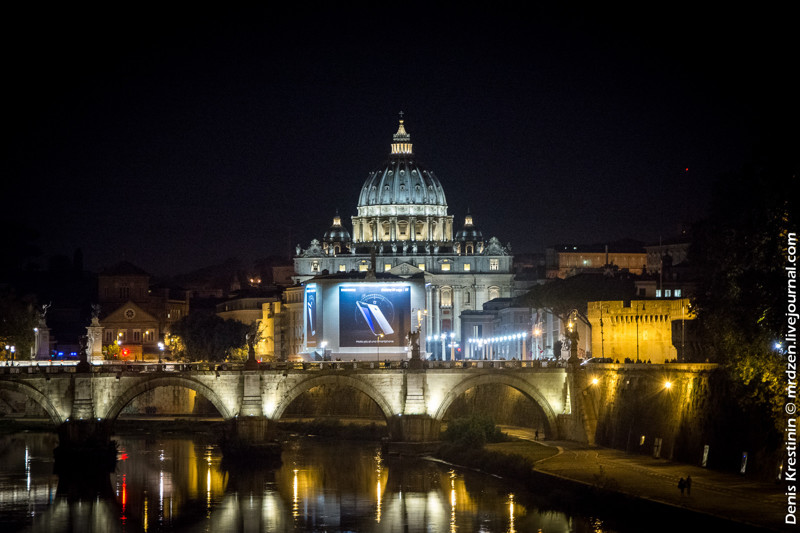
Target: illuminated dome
402	203
470	232
402	182
337	232
469	240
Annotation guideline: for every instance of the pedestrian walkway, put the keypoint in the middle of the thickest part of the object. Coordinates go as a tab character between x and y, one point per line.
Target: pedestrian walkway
719	494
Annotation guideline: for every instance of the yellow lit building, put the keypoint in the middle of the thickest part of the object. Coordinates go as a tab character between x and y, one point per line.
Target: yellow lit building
567	260
644	330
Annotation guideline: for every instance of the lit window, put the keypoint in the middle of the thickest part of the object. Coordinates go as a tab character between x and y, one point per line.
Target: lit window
342	268
362	267
658	293
677	293
421	266
494	264
667	293
467	267
445	267
387	267
315	266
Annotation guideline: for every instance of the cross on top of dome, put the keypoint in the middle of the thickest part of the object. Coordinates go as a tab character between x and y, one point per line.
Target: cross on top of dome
401	144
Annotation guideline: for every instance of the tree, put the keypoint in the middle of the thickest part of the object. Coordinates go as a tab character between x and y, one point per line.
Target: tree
208	337
741	255
18	318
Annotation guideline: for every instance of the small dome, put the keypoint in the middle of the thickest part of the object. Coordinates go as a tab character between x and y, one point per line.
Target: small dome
337	232
470	232
402	181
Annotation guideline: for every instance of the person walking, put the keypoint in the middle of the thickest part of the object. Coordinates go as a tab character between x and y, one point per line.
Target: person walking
682	485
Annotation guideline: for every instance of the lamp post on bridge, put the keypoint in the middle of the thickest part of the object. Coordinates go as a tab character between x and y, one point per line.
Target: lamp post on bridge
378	337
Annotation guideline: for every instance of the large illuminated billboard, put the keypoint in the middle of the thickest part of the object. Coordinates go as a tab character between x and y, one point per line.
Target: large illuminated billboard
312	325
374	314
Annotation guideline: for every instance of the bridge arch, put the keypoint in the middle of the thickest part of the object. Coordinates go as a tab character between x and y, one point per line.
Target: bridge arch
527	389
37	396
145	385
338	380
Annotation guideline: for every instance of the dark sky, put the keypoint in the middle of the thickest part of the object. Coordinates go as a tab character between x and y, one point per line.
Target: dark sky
176	139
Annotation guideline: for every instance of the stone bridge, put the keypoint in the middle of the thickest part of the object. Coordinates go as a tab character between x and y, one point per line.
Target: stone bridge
414	402
575	402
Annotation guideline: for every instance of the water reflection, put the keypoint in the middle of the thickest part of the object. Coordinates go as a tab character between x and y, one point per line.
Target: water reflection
181	484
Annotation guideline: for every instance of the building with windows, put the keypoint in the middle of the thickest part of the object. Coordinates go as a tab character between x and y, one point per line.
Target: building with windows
567	260
135	314
403	227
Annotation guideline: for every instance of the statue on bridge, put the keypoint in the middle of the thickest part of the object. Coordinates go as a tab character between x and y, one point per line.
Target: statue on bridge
83	355
251	363
413	343
43	314
571	338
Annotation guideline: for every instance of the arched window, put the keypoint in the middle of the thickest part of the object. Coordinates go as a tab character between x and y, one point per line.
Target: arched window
447	297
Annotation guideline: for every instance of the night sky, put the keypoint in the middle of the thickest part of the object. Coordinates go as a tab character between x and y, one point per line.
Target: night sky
177	139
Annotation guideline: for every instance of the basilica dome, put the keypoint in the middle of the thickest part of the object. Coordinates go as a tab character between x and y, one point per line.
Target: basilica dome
403	202
402	181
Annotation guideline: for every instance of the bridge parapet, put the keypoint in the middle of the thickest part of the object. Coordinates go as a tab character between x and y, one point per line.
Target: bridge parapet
235	392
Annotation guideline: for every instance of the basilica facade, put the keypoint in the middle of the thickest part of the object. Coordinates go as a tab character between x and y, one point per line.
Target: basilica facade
403	228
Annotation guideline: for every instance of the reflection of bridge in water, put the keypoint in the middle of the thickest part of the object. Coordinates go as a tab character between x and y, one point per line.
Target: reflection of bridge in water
413	402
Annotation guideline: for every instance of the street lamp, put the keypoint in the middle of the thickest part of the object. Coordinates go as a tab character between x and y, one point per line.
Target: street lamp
10	349
378	337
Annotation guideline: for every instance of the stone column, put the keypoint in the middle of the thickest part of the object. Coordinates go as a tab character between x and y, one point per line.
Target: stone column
436	311
42	342
82	400
457	302
414	429
251	394
94	334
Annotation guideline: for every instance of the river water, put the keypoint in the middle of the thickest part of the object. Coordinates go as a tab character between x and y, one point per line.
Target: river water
180	484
